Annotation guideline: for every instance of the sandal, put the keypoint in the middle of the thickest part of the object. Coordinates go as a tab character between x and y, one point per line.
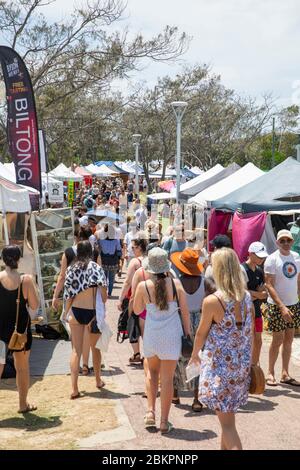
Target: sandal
176	401
271	381
28	409
149	419
85	370
77	395
135	359
290	381
102	384
167	429
197	406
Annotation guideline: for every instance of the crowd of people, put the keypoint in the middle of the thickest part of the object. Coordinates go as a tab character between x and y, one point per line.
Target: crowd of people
173	288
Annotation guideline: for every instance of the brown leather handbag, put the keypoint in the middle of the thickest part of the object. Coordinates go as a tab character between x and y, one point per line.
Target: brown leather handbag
18	340
258	381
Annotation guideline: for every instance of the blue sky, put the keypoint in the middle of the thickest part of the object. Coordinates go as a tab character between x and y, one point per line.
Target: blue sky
252	44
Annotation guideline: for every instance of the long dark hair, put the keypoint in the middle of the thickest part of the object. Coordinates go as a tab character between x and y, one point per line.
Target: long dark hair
160	289
141	243
11	256
84	254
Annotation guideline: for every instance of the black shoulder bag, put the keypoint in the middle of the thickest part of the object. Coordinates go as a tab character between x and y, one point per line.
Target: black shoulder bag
186	341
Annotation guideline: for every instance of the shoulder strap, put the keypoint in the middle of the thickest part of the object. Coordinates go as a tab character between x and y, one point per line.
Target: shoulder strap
147	290
175	295
220	302
18	306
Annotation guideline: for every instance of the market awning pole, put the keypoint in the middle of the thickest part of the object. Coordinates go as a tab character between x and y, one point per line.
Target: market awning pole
4	218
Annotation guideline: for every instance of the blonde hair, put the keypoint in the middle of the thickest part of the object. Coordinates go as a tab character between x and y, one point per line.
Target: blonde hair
228	274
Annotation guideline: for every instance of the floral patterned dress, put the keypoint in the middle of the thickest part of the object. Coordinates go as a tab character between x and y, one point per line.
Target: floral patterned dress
226	360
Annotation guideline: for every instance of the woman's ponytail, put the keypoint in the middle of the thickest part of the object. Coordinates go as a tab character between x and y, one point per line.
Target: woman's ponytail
161	299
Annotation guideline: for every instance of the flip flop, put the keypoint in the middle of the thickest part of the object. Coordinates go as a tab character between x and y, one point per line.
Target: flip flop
74	397
271	382
149	419
101	386
168	429
28	409
176	401
197	406
290	381
85	370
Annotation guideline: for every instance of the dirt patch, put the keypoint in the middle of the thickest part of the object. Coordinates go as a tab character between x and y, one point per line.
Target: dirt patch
59	422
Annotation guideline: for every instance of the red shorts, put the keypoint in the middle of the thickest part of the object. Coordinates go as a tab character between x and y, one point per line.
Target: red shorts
259	325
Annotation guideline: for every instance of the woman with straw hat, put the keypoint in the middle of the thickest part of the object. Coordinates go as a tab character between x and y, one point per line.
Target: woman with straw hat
190	270
163	331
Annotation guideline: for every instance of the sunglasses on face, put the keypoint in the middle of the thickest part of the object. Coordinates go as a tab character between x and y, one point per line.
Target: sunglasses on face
285	240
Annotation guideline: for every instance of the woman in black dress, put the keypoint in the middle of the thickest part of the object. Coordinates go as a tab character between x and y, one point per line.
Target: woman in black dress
10	280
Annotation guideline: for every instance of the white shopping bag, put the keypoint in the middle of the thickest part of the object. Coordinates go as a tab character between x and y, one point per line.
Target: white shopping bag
105	336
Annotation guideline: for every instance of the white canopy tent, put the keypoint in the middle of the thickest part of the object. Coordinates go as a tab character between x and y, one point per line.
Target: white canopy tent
62	173
168	174
196	170
203	177
240	178
7	171
101	170
161	196
13	197
127	166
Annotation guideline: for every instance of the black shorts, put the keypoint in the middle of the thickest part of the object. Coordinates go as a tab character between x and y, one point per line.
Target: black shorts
83	315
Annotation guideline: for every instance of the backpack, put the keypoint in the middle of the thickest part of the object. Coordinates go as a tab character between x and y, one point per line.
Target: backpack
122	322
133	328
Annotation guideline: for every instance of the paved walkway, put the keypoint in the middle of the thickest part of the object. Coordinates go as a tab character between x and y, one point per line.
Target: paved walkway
271	421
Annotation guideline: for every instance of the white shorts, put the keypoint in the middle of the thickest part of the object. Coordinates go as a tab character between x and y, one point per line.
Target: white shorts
2	352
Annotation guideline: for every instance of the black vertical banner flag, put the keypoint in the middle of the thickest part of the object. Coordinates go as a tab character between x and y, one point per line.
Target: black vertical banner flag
22	127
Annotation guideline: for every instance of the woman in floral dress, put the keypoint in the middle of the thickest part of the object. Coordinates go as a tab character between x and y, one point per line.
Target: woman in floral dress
225	333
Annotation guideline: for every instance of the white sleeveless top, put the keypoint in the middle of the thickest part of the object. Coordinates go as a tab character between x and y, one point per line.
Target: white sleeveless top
163	332
195	300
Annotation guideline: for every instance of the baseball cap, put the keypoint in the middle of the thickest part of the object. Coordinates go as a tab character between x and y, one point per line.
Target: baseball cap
221	241
89	202
83	221
258	249
284	233
92	218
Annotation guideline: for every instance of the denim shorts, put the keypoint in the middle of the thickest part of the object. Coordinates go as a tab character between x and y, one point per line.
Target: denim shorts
194	321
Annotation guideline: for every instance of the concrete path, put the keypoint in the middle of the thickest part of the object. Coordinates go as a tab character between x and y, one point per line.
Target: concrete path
271	421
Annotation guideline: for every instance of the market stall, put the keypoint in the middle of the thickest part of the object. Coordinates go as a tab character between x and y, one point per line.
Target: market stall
52	231
250	209
15	207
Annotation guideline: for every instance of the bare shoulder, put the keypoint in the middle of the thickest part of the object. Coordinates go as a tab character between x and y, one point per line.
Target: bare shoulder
27	279
177	283
210	301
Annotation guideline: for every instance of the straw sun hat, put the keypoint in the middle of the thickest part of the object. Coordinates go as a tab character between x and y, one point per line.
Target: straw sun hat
187	262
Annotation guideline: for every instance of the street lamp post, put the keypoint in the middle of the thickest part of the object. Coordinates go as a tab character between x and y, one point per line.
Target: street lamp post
136	143
179	110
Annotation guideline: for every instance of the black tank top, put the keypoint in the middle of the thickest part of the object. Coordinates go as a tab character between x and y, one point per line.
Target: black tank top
8	312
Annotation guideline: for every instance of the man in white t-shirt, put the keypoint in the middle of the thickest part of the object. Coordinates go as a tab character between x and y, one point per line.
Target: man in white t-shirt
128	251
282	277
